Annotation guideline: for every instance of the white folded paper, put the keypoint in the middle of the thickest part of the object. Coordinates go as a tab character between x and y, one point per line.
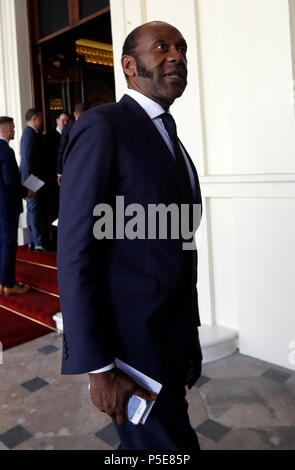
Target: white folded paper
33	183
143	380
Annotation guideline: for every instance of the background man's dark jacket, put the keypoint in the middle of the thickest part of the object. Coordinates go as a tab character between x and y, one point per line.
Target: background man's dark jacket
11	190
64	140
133	299
51	143
51	189
31	151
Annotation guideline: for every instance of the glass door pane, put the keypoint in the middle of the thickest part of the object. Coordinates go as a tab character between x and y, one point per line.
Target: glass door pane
88	7
53	16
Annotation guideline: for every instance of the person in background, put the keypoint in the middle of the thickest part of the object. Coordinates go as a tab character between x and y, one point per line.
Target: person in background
32	163
79	109
52	141
11	194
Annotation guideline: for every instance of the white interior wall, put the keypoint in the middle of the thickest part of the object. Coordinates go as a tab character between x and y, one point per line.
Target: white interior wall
15	74
247	74
246	57
264	234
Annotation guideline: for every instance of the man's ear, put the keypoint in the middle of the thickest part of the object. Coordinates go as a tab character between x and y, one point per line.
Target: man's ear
129	65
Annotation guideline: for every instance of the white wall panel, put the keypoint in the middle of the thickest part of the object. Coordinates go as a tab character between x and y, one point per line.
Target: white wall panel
247	74
224	261
264	234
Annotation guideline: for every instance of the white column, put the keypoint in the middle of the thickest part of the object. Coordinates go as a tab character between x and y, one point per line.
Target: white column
15	76
126	15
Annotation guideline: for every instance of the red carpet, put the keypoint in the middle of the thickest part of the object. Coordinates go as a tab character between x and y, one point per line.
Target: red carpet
37	270
47	259
37	276
17	330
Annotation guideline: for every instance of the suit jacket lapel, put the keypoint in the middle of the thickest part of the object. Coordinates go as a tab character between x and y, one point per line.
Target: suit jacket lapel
156	140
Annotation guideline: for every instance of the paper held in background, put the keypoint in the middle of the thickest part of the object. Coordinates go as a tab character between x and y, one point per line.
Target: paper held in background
33	183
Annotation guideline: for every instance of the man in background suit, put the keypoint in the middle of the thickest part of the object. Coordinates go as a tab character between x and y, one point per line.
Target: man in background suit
32	162
52	141
11	194
64	140
132	298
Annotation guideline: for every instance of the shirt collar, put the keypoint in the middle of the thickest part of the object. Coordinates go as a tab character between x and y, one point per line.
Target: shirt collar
3	138
58	130
152	108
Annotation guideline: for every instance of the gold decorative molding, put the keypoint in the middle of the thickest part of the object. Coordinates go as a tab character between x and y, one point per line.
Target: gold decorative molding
55	104
95	52
37	264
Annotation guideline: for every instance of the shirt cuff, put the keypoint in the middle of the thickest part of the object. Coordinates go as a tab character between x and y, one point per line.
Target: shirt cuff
103	369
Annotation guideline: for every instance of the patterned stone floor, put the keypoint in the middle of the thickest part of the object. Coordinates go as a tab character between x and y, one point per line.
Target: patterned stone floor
239	403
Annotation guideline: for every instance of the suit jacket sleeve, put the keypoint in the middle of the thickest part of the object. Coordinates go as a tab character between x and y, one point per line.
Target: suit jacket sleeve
27	154
11	177
64	140
87	179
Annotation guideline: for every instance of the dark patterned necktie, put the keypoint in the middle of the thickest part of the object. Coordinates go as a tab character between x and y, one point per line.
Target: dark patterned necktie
181	165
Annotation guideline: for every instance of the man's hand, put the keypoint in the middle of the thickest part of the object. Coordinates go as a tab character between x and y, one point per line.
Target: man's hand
195	370
110	392
59	180
31	194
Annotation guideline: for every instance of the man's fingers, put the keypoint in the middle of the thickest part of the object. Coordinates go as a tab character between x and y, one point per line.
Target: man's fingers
143	393
122	416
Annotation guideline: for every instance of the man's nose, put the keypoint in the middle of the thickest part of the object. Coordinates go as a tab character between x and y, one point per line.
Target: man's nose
174	55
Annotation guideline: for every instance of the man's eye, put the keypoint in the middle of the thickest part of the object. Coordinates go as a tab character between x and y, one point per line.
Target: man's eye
182	50
161	46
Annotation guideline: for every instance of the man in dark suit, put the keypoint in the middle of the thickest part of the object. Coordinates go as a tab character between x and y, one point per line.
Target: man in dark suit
32	162
52	141
133	298
11	194
64	140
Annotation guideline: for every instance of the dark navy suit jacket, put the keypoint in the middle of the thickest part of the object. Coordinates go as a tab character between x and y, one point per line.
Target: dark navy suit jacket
31	154
131	299
64	140
11	190
51	143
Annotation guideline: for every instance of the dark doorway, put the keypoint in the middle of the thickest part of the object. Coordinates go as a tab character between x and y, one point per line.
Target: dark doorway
77	66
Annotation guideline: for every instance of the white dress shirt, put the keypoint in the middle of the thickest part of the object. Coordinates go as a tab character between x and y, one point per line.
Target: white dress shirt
153	110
